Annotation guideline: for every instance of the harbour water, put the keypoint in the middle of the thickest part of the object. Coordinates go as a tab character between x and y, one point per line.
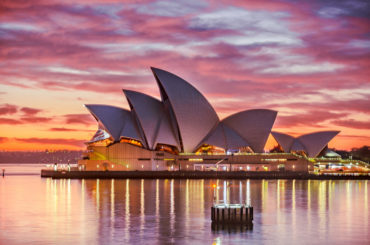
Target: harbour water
34	210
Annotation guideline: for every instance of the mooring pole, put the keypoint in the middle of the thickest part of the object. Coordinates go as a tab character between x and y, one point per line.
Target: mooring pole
3	172
214	194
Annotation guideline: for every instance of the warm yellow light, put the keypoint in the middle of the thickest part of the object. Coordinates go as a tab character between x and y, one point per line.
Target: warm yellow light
195	159
214	186
97	165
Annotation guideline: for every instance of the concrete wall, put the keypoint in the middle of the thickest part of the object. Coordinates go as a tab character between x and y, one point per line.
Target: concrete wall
126	157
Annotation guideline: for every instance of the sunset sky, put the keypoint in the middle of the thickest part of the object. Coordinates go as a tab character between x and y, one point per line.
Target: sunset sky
310	61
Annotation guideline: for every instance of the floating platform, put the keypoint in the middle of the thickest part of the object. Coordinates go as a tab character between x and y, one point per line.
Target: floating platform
232	213
76	174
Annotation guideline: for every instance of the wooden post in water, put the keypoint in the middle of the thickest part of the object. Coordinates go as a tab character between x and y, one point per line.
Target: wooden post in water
3	172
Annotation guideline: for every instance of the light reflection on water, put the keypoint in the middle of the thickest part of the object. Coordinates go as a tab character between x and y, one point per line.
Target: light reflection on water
134	211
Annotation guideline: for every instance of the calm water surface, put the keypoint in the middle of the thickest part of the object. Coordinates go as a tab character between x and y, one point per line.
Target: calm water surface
45	211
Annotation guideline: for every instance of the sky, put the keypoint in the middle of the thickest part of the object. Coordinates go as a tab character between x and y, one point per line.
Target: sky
308	59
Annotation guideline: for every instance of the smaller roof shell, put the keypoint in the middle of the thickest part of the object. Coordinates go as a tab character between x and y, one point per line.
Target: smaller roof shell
312	143
285	140
316	142
252	125
116	121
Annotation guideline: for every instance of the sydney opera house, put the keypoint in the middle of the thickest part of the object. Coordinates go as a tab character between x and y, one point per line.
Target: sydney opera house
183	132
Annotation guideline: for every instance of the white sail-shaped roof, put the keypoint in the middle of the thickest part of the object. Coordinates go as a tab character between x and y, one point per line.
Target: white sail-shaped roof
216	137
233	139
165	133
116	121
225	137
312	143
297	146
111	118
253	125
284	140
194	115
131	129
316	142
152	119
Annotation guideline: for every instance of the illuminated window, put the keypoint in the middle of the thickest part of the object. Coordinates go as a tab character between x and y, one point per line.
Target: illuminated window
131	141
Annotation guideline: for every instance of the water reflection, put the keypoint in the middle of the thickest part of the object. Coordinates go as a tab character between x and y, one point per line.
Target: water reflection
171	211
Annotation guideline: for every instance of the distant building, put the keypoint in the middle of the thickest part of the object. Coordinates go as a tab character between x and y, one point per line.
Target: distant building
183	132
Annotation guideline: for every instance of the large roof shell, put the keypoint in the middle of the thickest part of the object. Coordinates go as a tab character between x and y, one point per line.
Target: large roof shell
253	125
194	115
152	118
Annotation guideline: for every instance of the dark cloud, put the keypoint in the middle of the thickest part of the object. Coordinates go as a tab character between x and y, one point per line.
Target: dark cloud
351	123
10	121
3	139
84	119
8	109
33	119
310	119
30	111
63	129
57	141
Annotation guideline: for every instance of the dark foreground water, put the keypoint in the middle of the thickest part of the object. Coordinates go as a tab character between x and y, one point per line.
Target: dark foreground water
45	211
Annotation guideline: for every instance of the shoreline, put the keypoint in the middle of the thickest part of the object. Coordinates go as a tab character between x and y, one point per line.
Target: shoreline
46	173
